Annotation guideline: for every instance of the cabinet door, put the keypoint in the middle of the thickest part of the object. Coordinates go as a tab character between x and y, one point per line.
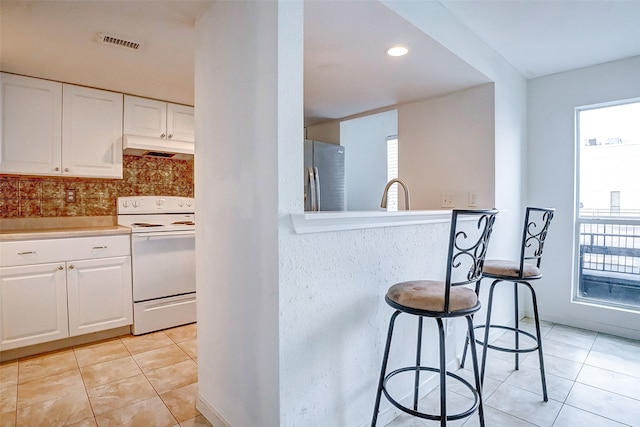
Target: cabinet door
100	294
31	125
91	132
180	123
33	305
145	117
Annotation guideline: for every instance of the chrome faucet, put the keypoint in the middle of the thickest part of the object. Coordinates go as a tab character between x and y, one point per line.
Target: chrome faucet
407	204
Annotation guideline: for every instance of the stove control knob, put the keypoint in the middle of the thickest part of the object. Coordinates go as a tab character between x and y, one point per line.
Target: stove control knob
135	203
125	203
181	203
189	203
159	202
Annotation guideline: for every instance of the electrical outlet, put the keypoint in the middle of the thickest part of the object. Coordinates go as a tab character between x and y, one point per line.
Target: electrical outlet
447	200
473	199
70	195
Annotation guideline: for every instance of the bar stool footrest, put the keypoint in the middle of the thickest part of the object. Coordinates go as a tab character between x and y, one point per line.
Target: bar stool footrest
415	413
506	349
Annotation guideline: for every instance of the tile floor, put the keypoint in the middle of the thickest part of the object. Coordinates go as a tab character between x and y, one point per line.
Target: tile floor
148	380
593	380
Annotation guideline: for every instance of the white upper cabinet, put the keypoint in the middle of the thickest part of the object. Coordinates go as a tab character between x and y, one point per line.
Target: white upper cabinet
31	125
50	128
91	132
158	119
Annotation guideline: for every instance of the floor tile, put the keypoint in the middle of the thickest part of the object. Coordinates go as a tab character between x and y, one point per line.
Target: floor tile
46	364
199	421
142	343
160	357
490	385
616	346
110	371
558	388
529	325
149	412
182	402
51	387
555	366
524	405
103	351
572	417
121	393
7	419
497	369
182	333
8	373
495	418
190	347
615	363
611	381
564	350
89	422
8	398
174	376
64	410
604	403
573	336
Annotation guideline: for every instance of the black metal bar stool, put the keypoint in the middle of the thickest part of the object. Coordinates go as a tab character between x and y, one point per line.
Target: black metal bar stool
526	269
468	240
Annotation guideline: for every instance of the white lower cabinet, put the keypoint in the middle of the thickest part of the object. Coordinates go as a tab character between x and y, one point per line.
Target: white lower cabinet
99	294
33	302
53	300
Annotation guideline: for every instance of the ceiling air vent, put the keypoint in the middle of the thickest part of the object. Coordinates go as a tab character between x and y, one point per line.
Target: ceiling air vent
117	41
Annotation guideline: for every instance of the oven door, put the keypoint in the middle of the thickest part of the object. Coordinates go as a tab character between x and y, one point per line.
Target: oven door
163	264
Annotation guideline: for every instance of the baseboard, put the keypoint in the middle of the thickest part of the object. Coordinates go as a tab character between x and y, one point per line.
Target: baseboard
210	414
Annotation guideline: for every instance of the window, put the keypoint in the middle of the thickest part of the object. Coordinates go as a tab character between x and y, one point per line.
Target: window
608	213
392	172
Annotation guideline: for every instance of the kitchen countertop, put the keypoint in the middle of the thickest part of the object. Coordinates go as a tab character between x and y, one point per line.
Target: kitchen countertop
59	227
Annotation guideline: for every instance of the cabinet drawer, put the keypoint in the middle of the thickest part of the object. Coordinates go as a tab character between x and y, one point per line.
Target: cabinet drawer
25	252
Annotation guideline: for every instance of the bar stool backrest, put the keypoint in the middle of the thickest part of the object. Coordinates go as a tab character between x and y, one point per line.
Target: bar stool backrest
536	225
468	243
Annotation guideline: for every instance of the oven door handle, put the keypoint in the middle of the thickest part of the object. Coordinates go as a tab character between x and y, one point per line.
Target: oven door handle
166	234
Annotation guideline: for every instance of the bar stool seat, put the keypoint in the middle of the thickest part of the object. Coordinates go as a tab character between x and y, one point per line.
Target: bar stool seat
469	238
509	269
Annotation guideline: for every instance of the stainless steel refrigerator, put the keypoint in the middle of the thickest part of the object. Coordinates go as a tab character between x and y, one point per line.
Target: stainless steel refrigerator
324	176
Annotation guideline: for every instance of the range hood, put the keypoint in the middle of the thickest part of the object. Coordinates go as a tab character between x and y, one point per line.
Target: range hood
155	147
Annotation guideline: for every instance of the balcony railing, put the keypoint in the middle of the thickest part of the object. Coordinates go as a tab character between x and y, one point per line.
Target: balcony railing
610	257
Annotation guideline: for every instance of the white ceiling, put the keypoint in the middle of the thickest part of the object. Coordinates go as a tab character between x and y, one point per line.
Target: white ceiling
346	71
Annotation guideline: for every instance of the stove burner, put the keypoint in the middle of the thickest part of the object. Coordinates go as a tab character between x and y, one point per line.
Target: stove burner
145	224
183	223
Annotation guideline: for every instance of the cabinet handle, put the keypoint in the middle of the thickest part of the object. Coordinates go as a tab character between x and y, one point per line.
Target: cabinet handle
60	267
56	169
26	253
66	169
170	135
71	267
163	135
99	247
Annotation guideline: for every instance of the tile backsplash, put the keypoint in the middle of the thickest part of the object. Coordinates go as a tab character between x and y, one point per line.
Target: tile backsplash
30	196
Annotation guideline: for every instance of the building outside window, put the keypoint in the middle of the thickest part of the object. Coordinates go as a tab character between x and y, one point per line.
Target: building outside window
608	204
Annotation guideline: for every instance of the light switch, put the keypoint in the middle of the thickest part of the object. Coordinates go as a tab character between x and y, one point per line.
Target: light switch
473	199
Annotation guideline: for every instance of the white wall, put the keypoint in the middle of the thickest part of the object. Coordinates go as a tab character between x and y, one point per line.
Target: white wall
550	154
238	122
365	139
447	146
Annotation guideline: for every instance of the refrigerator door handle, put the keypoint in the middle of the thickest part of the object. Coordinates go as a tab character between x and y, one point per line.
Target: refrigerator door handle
312	189
317	183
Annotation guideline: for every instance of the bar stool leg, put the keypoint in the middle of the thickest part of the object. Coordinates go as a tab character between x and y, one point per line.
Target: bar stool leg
385	359
443	374
476	370
486	330
466	342
515	323
416	385
539	337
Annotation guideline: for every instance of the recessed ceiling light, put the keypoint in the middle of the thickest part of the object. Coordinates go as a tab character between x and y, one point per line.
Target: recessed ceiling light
397	51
